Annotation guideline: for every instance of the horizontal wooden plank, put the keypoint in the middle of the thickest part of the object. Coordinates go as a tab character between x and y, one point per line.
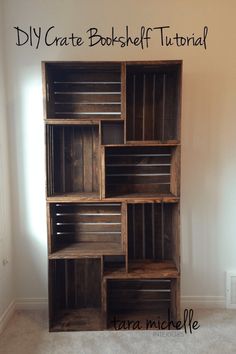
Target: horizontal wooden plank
71	87
134	190
137	179
105	237
85	249
89	108
67	121
87	74
141	284
77	218
138	296
94	115
145	305
87	98
136	160
98	237
88	227
111	197
146	270
137	169
94	209
142	150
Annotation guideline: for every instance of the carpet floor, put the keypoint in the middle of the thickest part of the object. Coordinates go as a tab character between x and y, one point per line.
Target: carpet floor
27	333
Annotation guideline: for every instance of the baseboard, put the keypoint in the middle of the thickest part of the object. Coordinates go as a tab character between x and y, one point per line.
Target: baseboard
195	302
31	303
6	316
203	302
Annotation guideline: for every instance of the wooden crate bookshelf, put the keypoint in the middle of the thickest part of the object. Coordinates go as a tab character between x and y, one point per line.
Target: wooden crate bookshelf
112	132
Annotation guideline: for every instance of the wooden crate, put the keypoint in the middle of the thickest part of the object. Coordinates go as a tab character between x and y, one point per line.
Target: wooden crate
83	91
134	171
85	229
142	301
75	294
153	104
73	160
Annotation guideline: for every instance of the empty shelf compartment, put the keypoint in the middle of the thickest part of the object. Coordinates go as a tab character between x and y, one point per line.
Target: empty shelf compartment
112	132
140	300
75	294
153	102
72	160
153	236
83	91
141	170
85	229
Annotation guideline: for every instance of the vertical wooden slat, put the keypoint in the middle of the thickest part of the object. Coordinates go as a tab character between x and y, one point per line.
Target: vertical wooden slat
176	235
124	226
148	253
51	299
134	108
130	232
66	284
88	161
51	166
104	302
163	107
144	106
153	232
123	98
49	230
153	107
158	98
103	178
158	231
162	233
76	284
123	91
175	299
78	177
175	171
179	102
95	159
63	152
48	161
143	232
149	110
134	231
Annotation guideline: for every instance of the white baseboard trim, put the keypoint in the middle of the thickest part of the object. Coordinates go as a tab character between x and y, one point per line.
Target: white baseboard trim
6	316
34	303
194	302
203	302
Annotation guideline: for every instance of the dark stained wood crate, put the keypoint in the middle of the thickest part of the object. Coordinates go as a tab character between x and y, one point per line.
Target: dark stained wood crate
73	159
75	288
153	102
85	229
153	233
140	301
83	91
140	170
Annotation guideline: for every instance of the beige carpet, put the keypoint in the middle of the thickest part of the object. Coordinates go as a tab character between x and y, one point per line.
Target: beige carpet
27	333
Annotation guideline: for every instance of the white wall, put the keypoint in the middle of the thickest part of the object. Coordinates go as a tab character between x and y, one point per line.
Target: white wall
208	127
6	260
